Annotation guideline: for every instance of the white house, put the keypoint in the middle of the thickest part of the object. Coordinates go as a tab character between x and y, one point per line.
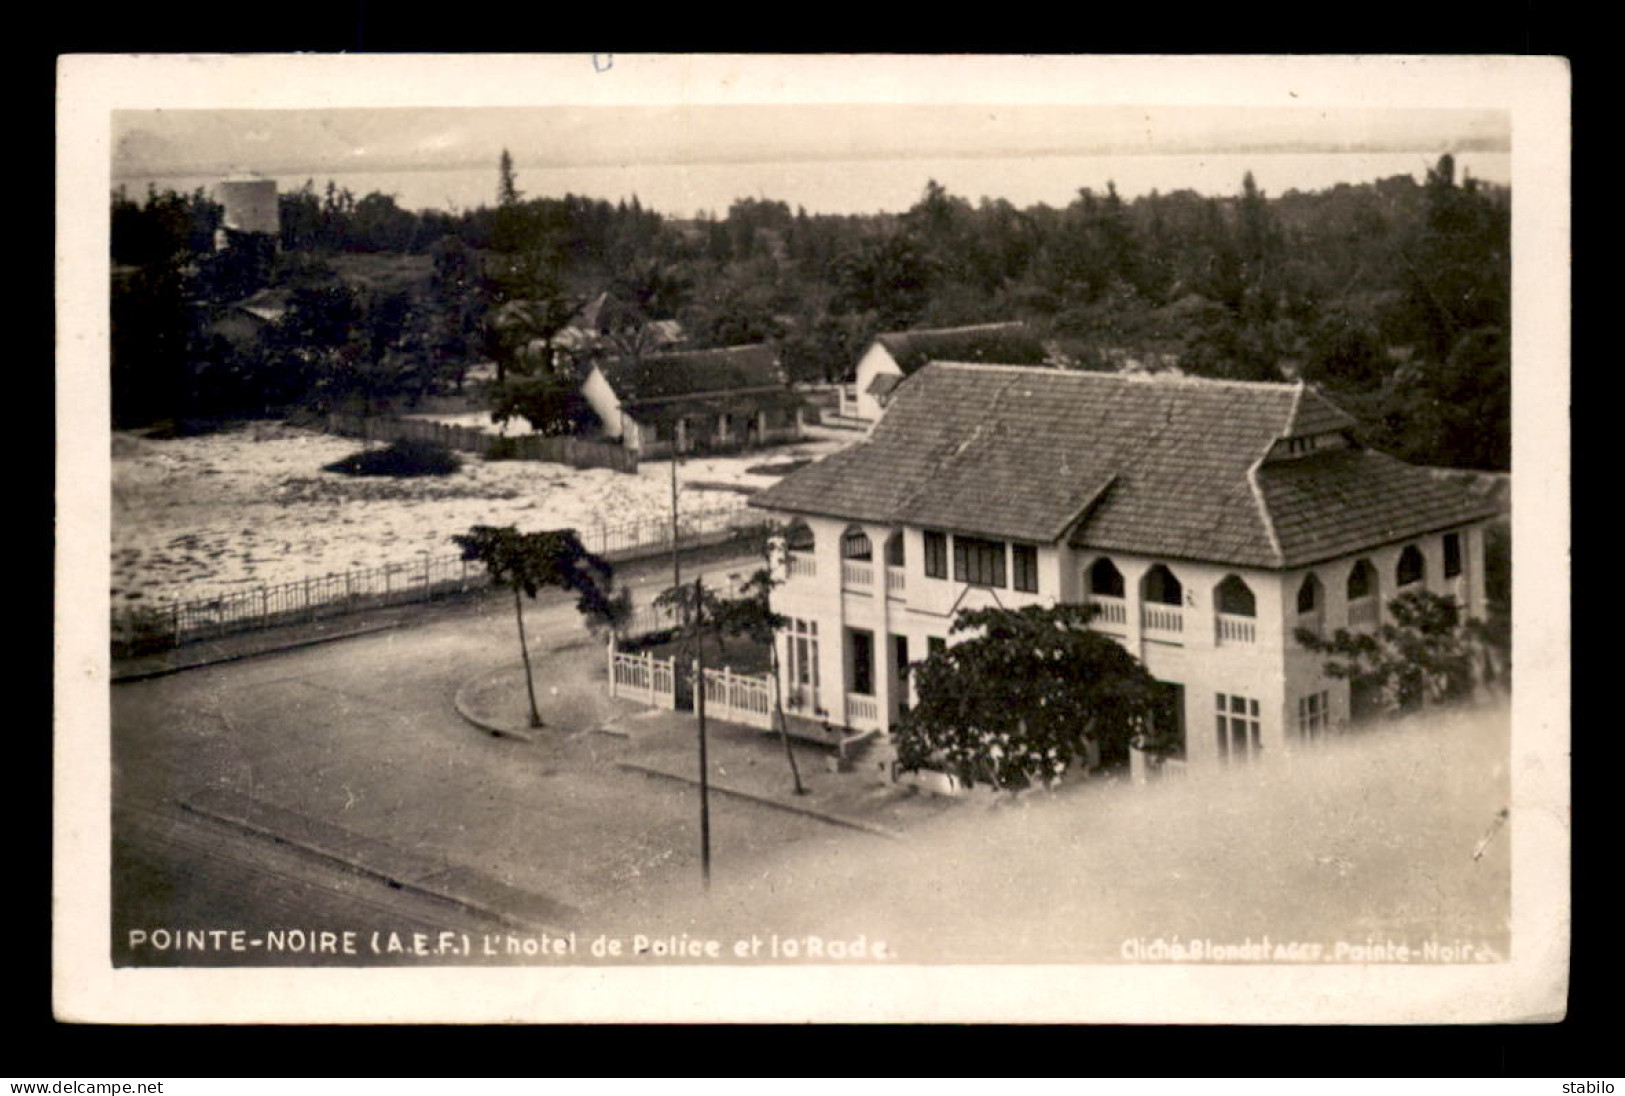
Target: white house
697	400
1208	520
894	355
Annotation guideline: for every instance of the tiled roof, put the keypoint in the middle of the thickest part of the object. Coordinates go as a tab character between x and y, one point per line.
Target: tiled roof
694	372
1315	414
1333	503
882	384
1004	343
1151	465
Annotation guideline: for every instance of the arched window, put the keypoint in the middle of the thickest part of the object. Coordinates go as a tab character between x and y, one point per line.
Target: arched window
894	549
1362	581
1411	567
1310	596
799	537
1234	597
1160	586
1105	580
855	544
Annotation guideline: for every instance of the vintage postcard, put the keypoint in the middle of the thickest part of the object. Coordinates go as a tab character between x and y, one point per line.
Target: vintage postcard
618	537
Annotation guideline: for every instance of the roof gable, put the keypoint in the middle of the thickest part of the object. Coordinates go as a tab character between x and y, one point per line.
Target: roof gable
1313	413
1002	343
1334	503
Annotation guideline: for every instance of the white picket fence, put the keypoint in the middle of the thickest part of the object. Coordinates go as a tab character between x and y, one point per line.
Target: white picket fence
643	678
739	698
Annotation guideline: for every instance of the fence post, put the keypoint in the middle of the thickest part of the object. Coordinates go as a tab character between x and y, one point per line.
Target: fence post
310	609
426	585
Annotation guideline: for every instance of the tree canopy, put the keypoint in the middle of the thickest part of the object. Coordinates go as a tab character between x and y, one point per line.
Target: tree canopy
1021	700
1428	653
526	562
1393	294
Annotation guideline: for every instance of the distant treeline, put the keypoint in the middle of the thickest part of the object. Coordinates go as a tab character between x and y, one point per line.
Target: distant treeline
1393	295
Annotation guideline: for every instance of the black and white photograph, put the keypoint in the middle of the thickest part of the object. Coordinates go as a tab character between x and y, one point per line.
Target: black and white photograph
737	538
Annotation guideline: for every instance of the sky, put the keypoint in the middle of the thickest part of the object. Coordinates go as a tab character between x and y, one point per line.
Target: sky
187	142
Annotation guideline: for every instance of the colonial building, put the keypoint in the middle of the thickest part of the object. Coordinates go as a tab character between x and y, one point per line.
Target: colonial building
1207	521
695	401
894	355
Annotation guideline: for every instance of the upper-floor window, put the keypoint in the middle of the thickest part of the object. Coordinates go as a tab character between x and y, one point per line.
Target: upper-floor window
979	562
1024	567
798	537
1362	581
1160	586
1309	596
936	554
894	550
1235	597
1411	567
1452	555
1105	580
855	545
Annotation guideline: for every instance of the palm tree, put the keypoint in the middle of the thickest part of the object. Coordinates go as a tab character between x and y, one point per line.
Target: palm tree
526	562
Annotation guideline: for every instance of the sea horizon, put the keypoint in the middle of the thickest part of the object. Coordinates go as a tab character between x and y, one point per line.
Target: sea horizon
848	186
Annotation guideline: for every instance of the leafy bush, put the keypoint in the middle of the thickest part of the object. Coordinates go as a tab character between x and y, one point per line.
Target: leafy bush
405	457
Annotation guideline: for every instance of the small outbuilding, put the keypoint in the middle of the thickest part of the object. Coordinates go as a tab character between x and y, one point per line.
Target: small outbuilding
695	401
894	355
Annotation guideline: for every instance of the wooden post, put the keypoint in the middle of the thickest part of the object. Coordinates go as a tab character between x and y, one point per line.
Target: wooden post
699	706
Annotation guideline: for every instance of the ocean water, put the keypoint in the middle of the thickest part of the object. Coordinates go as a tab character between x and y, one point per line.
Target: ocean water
875	185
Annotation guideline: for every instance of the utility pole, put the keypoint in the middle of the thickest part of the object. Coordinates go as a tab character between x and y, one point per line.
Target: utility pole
676	558
699	708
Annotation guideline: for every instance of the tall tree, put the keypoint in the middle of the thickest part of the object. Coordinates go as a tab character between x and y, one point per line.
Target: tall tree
507	185
526	562
1024	698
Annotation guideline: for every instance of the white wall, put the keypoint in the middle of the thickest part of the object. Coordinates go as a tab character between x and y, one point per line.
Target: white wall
601	397
875	361
1273	669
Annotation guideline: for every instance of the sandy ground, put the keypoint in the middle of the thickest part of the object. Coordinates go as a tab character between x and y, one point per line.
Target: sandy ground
227	512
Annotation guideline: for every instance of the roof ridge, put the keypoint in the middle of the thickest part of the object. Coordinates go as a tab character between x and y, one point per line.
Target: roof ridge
1264	511
1146	379
943	330
1292	413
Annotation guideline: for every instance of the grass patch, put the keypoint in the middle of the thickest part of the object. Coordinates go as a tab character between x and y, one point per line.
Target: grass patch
401	458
